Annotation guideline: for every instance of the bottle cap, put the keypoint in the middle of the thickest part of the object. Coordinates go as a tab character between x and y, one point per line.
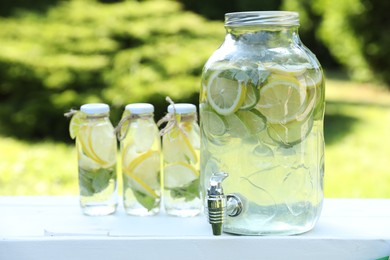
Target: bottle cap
140	108
182	108
95	108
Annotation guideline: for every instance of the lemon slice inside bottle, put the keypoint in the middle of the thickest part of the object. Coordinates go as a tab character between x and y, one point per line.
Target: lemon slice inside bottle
145	135
281	99
144	171
291	133
179	175
225	95
102	142
179	148
83	137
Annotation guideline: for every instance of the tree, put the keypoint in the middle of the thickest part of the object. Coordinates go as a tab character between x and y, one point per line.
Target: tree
85	51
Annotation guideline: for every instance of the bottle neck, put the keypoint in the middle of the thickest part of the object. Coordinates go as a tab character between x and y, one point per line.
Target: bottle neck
96	117
262	27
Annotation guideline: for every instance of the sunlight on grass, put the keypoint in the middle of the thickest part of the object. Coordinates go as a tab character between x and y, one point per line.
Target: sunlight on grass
37	168
357	161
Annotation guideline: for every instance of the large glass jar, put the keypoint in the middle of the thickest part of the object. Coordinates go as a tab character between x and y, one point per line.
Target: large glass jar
261	116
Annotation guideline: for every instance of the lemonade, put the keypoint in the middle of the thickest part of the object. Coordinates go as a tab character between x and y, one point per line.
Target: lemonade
181	144
263	126
96	150
141	160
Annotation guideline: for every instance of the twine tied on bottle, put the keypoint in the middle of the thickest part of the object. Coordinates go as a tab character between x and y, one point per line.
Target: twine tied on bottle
123	126
71	113
173	120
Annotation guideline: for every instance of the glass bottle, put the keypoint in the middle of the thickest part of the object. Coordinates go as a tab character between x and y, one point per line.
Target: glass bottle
261	117
141	161
181	143
96	149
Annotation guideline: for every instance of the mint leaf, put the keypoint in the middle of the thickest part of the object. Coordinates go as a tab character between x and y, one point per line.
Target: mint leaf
92	182
249	75
146	201
262	77
189	192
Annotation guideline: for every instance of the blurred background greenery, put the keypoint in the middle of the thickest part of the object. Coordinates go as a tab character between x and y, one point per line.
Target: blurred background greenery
58	54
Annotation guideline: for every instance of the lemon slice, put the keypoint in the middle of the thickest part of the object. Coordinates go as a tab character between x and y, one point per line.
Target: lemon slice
128	152
83	137
179	175
281	99
75	124
144	170
225	95
102	142
87	163
178	148
313	79
144	130
291	133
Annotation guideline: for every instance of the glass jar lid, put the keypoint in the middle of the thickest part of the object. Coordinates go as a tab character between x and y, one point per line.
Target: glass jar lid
140	108
279	18
95	108
182	108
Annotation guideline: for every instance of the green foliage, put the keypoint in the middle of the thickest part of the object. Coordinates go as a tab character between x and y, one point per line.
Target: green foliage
86	51
216	9
356	32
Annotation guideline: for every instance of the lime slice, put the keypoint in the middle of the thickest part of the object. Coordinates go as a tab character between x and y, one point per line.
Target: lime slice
224	94
236	126
75	124
179	175
291	133
144	170
281	99
251	98
179	148
253	120
212	123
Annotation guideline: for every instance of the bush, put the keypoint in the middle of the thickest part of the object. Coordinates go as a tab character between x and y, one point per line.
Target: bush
355	31
86	51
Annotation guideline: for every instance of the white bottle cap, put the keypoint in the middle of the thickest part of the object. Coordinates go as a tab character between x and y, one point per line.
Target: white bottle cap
140	108
182	108
95	108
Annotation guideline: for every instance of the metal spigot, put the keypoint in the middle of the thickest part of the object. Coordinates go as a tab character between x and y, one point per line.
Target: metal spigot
218	205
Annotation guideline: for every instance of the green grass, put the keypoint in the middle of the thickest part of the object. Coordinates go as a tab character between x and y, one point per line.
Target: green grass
357	129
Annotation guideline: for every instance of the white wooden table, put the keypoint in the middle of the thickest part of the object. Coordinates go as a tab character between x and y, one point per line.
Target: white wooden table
54	228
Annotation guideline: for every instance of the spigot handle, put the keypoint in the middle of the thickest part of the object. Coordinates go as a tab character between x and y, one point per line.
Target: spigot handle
216	202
